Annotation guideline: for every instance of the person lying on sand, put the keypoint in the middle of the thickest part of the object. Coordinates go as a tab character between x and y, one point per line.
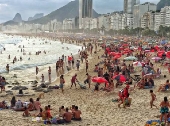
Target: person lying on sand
140	84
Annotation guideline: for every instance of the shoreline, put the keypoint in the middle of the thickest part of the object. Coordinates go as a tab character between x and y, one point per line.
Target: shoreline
43	68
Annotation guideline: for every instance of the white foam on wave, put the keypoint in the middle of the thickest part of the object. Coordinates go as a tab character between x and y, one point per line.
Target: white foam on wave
53	50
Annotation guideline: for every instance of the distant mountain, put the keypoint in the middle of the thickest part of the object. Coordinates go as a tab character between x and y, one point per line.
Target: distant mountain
10	23
17	18
36	16
162	4
71	10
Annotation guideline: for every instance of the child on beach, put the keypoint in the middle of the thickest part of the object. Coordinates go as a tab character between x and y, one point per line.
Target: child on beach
42	77
26	112
153	98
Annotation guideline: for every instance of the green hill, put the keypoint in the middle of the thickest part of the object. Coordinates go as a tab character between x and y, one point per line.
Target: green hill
71	10
162	4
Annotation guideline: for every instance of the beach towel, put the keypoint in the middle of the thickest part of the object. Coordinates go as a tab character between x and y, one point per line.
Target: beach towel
82	86
36	119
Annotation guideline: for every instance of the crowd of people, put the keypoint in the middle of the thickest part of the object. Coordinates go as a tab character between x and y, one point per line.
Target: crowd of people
33	108
112	67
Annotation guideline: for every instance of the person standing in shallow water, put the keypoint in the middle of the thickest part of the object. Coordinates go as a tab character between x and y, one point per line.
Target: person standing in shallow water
37	69
49	74
42	77
7	68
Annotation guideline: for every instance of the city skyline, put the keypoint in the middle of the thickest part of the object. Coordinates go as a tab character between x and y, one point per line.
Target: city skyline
85	10
8	8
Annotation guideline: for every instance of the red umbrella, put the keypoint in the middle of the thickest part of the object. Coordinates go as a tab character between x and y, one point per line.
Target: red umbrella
120	77
117	57
99	80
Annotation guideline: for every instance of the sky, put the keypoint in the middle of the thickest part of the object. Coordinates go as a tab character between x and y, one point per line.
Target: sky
28	8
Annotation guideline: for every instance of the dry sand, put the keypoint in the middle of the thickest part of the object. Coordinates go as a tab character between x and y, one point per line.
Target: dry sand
97	107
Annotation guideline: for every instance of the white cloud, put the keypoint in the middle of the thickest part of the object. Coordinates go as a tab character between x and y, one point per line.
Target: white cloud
28	8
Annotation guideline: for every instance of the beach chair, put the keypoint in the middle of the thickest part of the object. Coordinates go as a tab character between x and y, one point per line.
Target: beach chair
82	86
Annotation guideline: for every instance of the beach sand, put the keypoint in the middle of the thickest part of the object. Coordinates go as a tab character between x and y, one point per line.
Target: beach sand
97	107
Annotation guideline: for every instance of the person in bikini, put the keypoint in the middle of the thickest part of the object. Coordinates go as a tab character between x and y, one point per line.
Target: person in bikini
153	98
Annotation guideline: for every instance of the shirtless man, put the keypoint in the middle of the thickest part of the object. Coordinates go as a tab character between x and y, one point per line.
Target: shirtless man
76	114
67	116
88	80
153	98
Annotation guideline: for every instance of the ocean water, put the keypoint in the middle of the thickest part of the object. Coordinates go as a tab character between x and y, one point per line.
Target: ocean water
26	67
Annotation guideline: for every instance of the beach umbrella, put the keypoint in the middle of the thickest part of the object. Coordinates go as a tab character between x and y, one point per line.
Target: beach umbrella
147	50
156	58
138	64
99	80
116	56
130	58
120	78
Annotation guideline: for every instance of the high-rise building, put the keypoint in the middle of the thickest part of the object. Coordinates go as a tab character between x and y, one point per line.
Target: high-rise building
139	10
129	4
85	10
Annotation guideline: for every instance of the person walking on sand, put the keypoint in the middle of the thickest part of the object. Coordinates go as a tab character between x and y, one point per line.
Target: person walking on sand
37	69
88	80
62	81
73	81
87	64
153	98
